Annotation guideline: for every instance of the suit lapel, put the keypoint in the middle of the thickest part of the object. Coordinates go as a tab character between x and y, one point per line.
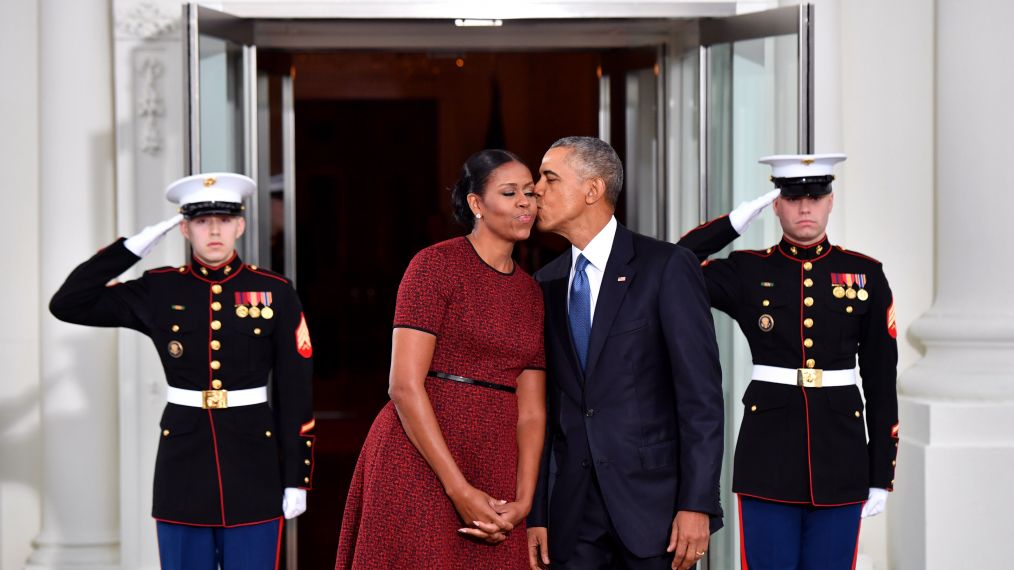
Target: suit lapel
560	324
611	294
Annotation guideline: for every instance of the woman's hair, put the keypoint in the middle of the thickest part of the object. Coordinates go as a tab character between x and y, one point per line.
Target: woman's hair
472	180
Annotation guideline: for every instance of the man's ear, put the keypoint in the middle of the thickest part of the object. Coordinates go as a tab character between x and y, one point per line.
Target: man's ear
595	190
242	226
830	205
185	228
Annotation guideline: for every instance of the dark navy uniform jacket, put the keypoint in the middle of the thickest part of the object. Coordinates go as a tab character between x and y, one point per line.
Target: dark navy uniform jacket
809	445
645	417
215	467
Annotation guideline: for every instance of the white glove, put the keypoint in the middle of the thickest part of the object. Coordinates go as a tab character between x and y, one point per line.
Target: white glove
876	503
745	213
146	240
293	502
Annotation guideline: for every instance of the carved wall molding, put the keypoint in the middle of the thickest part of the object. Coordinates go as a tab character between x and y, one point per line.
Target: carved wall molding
150	105
147	19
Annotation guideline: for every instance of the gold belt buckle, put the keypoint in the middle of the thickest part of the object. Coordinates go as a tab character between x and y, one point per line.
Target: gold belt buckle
809	377
214	399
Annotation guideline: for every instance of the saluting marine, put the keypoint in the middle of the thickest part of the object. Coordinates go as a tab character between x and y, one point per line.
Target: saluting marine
804	471
229	465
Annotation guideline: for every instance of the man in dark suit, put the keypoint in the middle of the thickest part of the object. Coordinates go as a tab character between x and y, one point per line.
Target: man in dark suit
634	386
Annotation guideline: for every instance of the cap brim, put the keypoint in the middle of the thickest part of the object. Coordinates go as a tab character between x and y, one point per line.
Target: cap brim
198	209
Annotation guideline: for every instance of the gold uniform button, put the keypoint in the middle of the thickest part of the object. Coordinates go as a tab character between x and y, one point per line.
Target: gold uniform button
216	384
267	434
215	345
215	365
807	266
216	288
215	325
808	301
808	282
182	269
894	463
307	480
753	408
808	343
858	414
808	323
765	303
309	443
306	461
254	267
165	433
216	306
176	328
848	309
257	331
810	363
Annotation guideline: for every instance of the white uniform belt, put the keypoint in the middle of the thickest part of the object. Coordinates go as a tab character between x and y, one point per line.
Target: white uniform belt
217	398
804	376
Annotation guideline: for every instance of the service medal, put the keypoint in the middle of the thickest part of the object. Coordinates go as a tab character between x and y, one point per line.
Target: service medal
267	312
242	311
838	292
863	295
766	323
850	293
255	312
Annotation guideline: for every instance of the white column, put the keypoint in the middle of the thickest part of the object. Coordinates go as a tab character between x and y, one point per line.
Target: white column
80	517
957	406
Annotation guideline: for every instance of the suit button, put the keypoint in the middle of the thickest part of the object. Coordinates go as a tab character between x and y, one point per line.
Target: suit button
216	384
306	480
309	443
590	412
848	309
807	282
216	306
808	301
165	433
808	343
215	365
807	266
216	325
810	363
215	345
216	288
753	408
894	463
808	323
584	463
858	414
267	434
765	303
306	461
257	331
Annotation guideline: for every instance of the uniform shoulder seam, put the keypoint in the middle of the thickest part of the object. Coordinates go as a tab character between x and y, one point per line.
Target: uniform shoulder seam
757	252
857	254
165	269
268	273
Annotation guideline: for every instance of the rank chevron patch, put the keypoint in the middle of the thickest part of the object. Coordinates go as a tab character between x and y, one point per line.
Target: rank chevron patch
303	345
892	328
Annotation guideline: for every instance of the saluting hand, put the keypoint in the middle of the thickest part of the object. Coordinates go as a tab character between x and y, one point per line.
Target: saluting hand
745	213
145	240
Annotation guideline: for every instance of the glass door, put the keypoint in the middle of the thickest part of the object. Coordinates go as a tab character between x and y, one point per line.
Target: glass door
754	98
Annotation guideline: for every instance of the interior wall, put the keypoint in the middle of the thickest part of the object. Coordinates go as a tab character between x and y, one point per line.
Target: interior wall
20	303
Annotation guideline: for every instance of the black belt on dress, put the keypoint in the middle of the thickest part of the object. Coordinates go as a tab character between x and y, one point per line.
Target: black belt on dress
463	380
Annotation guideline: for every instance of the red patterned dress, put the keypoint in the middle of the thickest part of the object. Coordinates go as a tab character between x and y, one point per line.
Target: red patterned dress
489	327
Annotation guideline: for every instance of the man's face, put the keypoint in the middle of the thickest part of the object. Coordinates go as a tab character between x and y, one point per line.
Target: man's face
804	220
560	192
213	237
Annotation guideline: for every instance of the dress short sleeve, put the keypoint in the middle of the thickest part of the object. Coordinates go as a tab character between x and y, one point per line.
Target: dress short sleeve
424	293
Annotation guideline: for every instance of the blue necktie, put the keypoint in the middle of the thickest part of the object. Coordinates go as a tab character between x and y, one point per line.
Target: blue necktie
580	309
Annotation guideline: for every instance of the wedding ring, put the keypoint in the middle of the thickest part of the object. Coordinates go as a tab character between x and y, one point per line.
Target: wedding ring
701	553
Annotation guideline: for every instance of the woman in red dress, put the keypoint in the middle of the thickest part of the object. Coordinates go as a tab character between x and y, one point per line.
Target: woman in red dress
448	470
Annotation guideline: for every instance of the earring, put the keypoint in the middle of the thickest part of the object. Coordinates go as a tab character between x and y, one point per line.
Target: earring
478	216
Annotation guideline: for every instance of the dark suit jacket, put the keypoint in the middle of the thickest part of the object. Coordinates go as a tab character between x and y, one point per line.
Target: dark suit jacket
647	414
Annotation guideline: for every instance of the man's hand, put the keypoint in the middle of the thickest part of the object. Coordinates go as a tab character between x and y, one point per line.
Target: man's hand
876	503
689	539
293	502
146	240
745	213
538	548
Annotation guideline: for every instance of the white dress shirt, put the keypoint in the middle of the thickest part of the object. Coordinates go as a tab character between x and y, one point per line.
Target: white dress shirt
597	253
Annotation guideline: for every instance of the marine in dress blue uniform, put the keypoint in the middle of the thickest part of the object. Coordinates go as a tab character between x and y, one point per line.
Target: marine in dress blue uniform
803	464
229	462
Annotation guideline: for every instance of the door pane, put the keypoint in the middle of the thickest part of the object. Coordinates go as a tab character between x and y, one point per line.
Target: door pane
752	112
221	106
